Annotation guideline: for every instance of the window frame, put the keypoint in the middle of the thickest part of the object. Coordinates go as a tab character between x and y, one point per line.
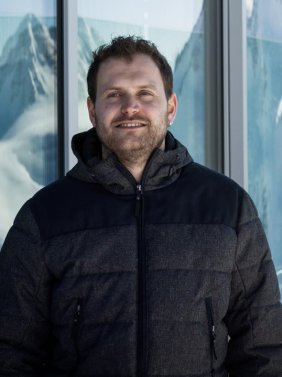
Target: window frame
70	84
235	91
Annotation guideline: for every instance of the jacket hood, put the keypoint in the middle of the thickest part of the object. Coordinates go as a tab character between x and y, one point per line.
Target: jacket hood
163	167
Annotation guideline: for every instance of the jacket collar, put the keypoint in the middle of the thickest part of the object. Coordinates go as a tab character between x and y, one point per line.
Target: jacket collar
163	167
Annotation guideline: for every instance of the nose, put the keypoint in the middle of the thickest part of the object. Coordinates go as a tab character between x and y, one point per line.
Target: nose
130	106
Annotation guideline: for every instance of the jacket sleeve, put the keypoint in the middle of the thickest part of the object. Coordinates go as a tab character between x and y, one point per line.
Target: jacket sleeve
254	318
24	297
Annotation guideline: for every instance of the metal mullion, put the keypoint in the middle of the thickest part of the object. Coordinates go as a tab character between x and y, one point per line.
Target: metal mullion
235	91
60	92
70	87
213	84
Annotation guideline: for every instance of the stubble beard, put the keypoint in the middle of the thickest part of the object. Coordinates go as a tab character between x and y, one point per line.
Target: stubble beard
139	149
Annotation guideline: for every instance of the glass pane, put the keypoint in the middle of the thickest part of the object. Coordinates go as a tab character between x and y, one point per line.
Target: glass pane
265	118
28	132
178	33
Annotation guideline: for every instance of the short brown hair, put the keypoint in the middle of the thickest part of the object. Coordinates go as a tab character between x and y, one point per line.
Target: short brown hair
126	48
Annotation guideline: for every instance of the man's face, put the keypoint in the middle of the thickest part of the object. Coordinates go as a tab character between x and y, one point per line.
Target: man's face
131	113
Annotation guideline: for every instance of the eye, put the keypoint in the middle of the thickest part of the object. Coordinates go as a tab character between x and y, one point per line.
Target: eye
145	93
114	95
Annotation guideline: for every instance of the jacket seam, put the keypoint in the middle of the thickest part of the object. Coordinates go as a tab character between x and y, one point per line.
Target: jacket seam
253	220
46	239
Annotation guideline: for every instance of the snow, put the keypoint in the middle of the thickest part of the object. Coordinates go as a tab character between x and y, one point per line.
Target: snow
265	19
30	51
279	112
264	117
249	7
16	150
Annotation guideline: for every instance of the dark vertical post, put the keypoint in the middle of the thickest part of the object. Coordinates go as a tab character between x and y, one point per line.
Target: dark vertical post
213	21
60	87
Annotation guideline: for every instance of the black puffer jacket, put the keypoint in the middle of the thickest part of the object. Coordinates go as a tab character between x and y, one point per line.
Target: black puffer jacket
100	277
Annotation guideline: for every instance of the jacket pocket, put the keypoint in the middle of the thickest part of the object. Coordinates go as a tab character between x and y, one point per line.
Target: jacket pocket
212	332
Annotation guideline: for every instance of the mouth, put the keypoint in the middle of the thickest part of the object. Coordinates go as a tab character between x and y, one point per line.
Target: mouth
131	125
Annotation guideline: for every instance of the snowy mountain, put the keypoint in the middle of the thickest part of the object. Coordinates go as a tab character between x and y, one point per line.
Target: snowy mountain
264	117
89	40
265	20
189	87
28	135
27	68
27	114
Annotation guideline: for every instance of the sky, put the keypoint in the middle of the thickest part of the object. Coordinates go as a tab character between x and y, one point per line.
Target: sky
18	8
178	15
157	13
11	12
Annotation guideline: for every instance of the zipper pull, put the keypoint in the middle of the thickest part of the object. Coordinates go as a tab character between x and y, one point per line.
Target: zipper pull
213	341
77	313
138	200
211	324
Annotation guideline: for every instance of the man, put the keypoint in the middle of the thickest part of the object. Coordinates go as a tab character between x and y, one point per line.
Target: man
139	262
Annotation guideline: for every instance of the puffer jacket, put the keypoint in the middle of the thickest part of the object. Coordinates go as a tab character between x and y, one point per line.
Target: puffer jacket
172	277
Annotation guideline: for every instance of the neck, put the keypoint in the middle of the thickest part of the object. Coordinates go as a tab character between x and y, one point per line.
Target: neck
134	166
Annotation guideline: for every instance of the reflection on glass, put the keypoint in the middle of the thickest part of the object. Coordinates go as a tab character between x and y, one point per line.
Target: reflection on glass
265	118
177	30
28	136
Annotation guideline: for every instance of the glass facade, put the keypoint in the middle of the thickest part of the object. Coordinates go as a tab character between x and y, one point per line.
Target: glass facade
28	90
28	106
264	52
179	35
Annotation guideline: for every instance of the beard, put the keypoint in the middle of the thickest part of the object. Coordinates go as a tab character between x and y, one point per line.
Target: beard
132	146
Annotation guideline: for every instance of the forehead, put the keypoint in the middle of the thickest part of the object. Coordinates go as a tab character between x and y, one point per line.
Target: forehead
140	70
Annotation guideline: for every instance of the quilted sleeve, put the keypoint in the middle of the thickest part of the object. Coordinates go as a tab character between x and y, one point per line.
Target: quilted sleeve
254	317
24	298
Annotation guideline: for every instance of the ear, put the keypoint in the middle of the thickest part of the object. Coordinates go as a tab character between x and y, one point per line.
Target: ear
172	107
91	110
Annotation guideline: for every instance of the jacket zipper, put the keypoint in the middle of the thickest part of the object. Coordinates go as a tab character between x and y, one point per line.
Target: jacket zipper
142	338
212	332
142	302
138	200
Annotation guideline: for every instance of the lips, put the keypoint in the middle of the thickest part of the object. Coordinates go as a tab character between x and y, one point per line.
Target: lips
130	125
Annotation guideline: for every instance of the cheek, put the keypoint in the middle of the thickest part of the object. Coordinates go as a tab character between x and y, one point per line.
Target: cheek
105	114
156	107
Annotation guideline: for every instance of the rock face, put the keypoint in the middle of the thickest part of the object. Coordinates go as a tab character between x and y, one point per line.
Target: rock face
28	138
27	68
264	119
189	73
28	125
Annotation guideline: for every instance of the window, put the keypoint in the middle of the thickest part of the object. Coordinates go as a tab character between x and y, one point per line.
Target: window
178	33
28	133
264	51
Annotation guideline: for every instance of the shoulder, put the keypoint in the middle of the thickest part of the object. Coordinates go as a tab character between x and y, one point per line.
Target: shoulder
59	207
203	176
199	177
216	196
